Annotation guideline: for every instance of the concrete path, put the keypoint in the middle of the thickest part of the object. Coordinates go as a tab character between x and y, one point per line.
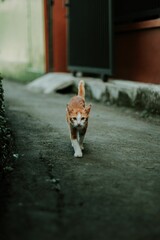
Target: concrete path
111	193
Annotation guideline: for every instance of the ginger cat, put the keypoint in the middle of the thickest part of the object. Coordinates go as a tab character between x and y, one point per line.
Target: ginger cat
77	118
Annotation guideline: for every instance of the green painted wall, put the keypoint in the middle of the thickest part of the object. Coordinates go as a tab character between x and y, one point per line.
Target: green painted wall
22	46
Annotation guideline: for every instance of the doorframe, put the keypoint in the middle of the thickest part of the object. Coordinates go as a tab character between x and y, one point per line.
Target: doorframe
48	34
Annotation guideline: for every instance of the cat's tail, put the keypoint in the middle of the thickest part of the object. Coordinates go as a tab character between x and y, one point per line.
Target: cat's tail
81	89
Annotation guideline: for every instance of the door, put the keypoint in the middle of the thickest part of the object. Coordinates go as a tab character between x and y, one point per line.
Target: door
90	36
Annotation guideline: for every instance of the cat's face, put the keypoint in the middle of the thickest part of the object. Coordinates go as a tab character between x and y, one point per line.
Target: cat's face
79	118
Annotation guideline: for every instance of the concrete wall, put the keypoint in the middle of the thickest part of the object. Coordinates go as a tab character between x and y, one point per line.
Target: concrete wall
22	52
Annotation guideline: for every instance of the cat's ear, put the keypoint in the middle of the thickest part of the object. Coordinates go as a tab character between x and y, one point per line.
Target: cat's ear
68	109
88	108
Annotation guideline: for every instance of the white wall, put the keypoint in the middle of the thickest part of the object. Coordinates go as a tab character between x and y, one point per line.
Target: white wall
22	46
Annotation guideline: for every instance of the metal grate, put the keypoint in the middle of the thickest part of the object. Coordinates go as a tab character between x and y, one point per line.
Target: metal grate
90	36
131	11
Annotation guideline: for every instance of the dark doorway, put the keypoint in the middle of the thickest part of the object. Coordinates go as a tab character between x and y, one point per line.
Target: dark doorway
90	36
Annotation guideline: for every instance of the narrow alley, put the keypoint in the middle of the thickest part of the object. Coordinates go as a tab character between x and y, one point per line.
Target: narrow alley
111	193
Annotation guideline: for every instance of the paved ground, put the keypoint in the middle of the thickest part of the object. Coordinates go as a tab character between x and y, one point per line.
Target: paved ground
111	193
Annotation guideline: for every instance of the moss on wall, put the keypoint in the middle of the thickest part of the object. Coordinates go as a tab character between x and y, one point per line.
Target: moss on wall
19	73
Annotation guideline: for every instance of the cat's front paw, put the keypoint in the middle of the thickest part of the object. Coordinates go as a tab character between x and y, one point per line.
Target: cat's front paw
78	154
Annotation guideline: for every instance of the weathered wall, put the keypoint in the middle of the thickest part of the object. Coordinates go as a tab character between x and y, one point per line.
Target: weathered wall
22	53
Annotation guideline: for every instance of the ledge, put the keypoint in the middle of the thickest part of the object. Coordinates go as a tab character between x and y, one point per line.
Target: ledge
150	24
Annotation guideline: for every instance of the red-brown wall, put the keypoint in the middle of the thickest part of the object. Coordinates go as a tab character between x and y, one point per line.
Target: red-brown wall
137	52
59	37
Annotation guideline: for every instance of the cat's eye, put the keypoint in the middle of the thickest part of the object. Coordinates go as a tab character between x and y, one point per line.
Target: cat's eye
82	118
74	118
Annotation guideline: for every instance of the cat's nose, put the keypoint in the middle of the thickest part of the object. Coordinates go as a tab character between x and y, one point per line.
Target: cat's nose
79	125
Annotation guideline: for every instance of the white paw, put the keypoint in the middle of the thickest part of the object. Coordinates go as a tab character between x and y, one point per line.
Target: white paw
82	148
78	154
